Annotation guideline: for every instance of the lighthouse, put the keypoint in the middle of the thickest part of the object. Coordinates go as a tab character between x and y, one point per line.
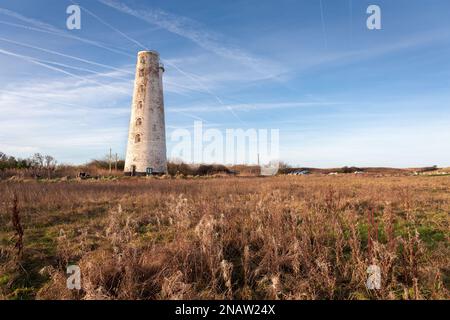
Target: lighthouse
146	148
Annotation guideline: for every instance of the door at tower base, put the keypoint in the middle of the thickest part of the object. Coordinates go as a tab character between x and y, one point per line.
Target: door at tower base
146	148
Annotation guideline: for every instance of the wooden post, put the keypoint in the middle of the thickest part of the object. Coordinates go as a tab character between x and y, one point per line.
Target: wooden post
110	157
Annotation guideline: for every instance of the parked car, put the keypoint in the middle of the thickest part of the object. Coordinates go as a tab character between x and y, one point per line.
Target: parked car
299	172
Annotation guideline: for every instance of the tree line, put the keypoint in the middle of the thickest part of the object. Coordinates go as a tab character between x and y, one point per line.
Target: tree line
38	163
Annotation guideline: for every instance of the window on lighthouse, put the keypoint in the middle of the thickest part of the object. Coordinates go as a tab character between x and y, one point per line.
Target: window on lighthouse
141	72
137	138
138	121
141	88
142	60
140	105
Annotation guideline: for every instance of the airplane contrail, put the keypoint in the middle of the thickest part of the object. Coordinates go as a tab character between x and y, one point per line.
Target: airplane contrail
143	47
100	74
205	90
69	36
33	97
32	21
47	28
44	27
65	55
192	77
324	31
45	65
111	26
351	20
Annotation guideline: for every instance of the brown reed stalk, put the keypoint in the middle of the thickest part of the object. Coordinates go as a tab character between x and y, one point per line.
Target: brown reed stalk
17	225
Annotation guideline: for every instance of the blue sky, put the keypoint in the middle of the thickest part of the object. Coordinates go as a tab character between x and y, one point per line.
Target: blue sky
340	94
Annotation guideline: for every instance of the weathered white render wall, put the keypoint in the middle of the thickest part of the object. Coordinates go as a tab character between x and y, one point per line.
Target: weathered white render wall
147	134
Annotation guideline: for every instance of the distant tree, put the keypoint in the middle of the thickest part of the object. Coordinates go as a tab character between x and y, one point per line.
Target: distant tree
22	164
350	169
37	161
50	165
178	167
284	168
41	164
7	162
206	169
427	169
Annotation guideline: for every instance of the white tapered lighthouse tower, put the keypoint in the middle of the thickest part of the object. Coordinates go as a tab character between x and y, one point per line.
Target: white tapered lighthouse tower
146	149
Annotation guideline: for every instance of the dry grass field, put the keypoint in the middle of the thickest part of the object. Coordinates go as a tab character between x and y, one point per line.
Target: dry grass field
284	237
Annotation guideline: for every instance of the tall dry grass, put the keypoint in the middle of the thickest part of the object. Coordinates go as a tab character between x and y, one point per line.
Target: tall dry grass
233	238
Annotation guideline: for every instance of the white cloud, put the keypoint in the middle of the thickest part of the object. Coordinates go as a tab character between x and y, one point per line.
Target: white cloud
246	107
197	33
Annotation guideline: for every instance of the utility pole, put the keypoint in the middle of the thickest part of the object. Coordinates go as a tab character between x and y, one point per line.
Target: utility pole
117	159
110	157
259	166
